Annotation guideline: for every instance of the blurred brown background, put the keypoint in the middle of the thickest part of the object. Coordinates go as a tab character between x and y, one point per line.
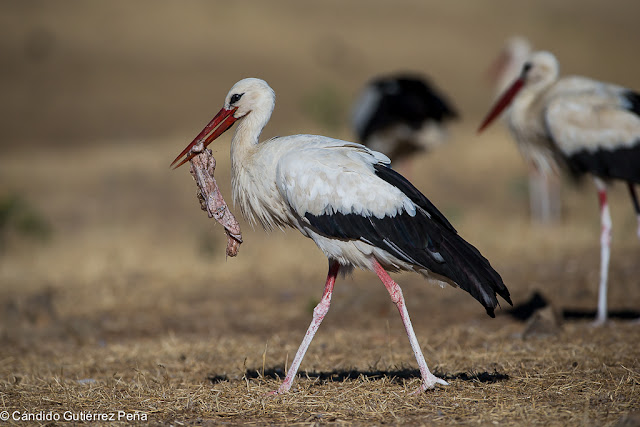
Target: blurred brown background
77	72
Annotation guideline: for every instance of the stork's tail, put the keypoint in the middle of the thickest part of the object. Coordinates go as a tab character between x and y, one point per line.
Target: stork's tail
473	272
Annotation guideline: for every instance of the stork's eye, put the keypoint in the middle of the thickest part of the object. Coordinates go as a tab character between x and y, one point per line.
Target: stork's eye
235	98
526	67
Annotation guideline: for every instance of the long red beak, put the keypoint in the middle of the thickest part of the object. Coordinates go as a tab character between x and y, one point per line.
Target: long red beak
223	121
502	103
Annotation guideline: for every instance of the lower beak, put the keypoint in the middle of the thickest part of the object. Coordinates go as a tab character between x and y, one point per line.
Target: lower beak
502	103
219	125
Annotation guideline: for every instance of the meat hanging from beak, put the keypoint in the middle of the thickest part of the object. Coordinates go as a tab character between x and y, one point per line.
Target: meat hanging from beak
203	166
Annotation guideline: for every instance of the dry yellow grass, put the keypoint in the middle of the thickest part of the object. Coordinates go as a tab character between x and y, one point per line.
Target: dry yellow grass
131	305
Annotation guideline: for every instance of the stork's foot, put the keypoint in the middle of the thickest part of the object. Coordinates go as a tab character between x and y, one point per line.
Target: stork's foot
284	387
599	322
429	382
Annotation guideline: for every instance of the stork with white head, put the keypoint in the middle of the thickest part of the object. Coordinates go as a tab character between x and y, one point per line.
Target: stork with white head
348	200
579	124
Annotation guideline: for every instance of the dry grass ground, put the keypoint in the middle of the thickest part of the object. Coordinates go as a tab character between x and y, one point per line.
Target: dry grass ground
130	305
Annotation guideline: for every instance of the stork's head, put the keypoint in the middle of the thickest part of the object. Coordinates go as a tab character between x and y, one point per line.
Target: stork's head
541	69
538	72
509	62
250	95
245	97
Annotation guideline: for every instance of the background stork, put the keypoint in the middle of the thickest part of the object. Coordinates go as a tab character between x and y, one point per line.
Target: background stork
582	124
347	199
545	202
401	115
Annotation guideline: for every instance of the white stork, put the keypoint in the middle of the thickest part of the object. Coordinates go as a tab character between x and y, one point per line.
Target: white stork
347	199
545	203
584	125
401	115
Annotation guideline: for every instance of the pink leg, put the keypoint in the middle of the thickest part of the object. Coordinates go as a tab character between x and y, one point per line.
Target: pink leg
318	314
605	243
428	379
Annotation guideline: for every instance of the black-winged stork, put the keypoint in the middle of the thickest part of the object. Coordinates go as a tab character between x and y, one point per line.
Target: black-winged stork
583	125
347	199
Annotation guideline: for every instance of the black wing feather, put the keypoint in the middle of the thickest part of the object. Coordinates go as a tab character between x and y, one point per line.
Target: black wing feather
619	163
634	101
426	240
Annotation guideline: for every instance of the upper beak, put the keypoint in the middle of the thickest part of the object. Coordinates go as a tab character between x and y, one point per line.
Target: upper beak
502	103
223	121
